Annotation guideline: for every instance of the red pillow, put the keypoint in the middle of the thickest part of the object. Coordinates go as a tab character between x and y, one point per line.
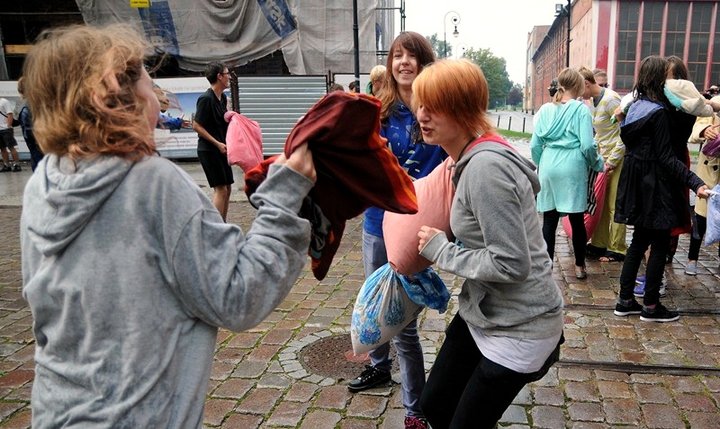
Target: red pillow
434	196
355	168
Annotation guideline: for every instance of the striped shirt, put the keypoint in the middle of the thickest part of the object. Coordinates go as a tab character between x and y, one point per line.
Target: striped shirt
607	133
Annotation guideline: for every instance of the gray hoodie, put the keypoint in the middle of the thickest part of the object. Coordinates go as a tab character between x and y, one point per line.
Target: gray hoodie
509	289
129	270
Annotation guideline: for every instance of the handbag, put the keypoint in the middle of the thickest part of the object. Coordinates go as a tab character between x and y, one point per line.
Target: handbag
711	149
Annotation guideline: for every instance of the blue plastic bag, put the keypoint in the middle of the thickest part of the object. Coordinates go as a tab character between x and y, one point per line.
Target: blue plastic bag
381	311
426	288
388	301
712	234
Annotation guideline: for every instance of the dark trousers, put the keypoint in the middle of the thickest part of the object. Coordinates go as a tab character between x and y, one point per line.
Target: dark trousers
466	390
659	242
696	237
579	235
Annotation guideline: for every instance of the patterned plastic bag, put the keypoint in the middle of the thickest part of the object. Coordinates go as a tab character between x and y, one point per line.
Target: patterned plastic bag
712	234
381	311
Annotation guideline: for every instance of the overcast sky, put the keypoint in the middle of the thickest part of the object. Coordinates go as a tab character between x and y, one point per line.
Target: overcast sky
499	25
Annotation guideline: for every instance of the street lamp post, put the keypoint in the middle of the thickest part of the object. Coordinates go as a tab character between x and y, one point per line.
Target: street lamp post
564	11
455	19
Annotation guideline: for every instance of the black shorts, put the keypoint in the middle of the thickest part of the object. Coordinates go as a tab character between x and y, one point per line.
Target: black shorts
7	138
216	168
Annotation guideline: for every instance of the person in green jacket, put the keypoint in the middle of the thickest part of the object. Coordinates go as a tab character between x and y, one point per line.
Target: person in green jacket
564	149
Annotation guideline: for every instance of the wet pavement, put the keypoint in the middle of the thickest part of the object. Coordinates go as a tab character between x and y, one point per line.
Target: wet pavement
614	372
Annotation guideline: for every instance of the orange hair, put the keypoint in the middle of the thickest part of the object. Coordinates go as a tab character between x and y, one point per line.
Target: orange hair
458	89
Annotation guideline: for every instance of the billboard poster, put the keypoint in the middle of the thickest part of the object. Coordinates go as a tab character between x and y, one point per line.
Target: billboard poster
182	94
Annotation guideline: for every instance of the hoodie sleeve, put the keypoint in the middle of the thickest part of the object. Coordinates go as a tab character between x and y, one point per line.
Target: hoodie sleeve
491	194
665	155
234	281
536	144
536	148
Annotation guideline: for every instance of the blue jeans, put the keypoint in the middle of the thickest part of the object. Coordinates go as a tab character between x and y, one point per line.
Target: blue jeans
407	342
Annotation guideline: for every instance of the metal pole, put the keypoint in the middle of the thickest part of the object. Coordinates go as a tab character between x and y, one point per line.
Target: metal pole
567	54
356	40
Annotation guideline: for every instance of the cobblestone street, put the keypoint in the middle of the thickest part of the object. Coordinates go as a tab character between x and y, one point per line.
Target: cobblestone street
614	372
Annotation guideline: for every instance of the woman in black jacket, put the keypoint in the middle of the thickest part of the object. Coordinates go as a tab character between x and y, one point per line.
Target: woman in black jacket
651	189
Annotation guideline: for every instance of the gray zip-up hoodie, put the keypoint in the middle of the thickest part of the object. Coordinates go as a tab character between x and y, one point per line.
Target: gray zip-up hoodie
129	270
509	289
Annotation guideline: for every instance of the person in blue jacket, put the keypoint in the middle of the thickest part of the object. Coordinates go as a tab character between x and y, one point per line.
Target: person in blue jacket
408	54
564	149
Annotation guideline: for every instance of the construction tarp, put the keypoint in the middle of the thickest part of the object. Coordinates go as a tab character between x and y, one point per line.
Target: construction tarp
314	35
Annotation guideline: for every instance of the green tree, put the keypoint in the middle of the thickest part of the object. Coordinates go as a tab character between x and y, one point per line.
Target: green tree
437	46
515	96
495	70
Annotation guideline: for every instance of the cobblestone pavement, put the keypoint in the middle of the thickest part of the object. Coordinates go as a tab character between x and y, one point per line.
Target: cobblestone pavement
614	372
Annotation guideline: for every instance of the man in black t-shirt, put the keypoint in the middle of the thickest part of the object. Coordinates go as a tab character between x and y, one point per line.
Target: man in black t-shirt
211	127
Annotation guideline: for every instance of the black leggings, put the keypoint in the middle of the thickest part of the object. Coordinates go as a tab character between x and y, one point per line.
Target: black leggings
467	390
659	242
579	235
700	227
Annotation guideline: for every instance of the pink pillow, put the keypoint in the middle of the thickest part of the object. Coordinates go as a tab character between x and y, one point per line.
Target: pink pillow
244	141
434	195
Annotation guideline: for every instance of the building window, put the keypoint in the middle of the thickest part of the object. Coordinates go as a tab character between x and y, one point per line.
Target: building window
676	26
715	75
699	42
652	29
627	39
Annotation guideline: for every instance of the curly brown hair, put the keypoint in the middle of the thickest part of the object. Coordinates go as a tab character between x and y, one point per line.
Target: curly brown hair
80	84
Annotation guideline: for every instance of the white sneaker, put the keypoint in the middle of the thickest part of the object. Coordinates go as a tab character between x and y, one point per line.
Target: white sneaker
691	268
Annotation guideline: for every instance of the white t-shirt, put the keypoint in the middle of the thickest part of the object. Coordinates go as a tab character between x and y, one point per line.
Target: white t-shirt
5	107
521	355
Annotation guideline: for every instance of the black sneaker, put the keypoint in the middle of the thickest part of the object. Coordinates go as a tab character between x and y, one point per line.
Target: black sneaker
5	168
16	167
368	379
627	310
659	314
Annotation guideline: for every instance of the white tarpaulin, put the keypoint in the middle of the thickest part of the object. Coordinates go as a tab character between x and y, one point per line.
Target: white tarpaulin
315	35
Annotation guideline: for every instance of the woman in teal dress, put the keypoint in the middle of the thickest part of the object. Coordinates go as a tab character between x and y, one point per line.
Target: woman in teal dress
563	148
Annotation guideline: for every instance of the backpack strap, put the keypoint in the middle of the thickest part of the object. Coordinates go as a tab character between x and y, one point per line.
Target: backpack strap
495	138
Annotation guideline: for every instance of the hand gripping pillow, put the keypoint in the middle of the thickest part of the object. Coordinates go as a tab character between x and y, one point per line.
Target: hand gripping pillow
434	196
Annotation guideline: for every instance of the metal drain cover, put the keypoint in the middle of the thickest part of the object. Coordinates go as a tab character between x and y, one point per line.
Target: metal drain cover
333	357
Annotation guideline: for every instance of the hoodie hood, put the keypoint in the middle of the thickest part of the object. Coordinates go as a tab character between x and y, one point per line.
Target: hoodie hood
638	115
63	195
556	119
502	148
641	110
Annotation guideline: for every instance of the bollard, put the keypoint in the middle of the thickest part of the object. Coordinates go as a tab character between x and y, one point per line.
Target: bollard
509	123
524	119
498	124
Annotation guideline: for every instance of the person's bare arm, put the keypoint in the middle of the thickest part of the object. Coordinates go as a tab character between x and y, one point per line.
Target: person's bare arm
202	132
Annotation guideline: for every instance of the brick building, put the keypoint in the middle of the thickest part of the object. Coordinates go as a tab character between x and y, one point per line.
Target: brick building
616	35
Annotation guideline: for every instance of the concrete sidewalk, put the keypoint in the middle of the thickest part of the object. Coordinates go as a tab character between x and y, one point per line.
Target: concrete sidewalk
614	372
